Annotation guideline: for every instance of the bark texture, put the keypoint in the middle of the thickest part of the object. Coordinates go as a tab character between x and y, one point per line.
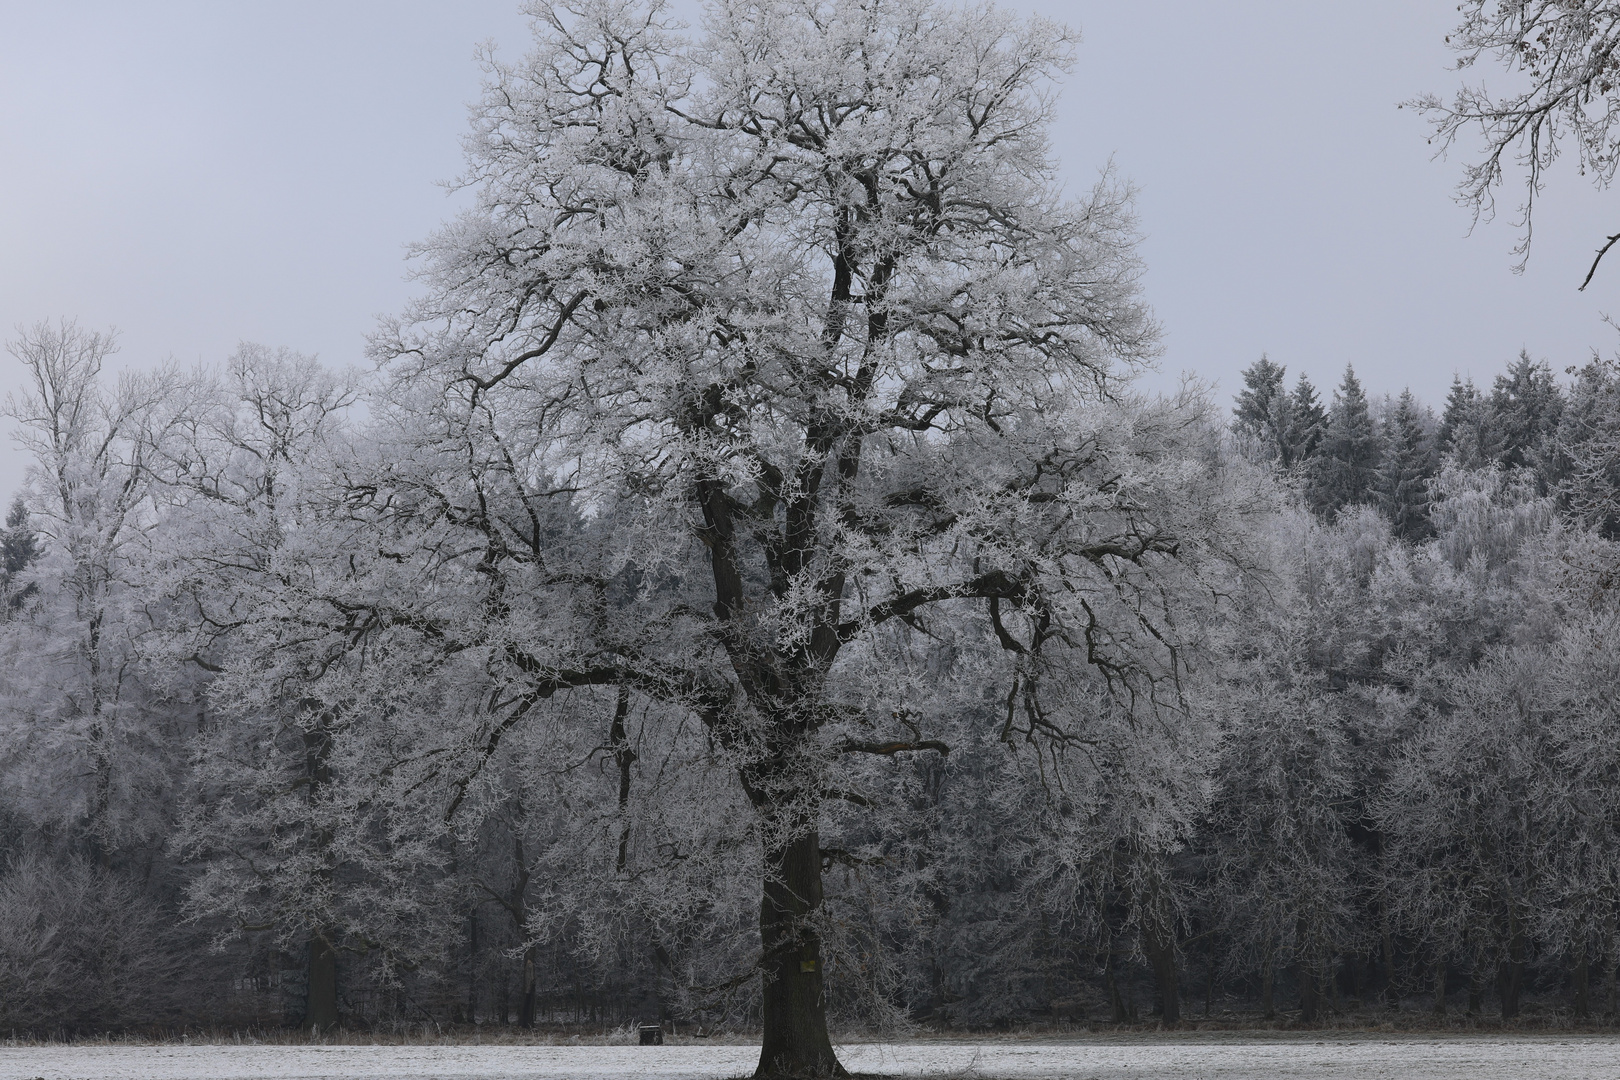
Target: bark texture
1161	952
320	1002
796	1042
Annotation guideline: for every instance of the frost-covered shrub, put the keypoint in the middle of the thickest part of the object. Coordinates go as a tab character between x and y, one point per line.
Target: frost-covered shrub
81	947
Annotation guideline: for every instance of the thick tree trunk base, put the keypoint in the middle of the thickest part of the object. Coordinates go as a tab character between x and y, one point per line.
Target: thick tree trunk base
794	1059
526	1011
796	1042
320	1001
1162	957
1310	997
1509	981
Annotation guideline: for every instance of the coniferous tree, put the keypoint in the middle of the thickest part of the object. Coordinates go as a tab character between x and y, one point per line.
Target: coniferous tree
1526	404
1461	403
1264	412
1588	442
1409	462
1306	421
92	447
19	546
1345	469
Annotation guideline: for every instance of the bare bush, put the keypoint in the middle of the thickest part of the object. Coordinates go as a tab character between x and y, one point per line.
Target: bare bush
80	947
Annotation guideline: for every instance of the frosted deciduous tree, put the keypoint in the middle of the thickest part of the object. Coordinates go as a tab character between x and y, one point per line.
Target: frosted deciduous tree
1485	518
757	349
1467	832
82	948
1563	54
1579	912
1282	887
245	481
75	704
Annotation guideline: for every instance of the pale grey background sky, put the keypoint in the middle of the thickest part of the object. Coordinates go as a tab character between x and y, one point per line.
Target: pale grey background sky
202	173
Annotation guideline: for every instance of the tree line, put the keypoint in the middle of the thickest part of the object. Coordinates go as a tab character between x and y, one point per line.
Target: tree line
1389	781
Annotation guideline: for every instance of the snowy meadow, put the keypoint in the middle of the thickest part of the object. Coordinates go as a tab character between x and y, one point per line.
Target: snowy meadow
1309	1058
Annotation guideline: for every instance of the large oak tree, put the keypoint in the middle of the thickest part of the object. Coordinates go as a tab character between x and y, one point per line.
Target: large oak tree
758	350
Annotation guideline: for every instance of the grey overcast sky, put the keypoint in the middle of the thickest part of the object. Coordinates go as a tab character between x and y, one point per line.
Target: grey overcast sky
197	174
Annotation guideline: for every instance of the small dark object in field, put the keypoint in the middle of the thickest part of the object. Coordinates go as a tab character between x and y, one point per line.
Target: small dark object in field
652	1035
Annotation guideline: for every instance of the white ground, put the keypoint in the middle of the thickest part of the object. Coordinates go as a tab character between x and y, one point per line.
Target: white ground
1226	1058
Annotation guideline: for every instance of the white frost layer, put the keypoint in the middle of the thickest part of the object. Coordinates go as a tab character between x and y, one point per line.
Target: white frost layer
1479	1058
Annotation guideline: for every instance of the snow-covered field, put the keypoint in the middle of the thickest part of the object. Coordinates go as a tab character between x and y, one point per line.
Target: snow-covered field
1229	1058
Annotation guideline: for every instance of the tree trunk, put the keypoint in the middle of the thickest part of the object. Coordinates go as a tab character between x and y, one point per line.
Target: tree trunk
530	987
1116	1000
663	969
1507	988
624	757
472	968
1310	987
518	908
1209	987
1510	973
1440	987
796	1043
1268	1004
1310	996
320	997
100	754
1583	983
1392	997
1162	956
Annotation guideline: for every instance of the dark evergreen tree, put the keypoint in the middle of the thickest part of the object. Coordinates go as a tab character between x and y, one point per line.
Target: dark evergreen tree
1459	403
1526	404
1344	471
1409	462
1468	432
1588	443
1306	420
19	547
1263	412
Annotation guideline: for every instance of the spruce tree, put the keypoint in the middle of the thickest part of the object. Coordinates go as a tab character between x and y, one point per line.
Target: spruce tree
1263	411
19	546
1468	433
1526	404
1588	442
1460	403
1344	471
1409	462
1306	420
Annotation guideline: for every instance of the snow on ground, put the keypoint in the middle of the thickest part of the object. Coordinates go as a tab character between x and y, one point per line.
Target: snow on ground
1230	1058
